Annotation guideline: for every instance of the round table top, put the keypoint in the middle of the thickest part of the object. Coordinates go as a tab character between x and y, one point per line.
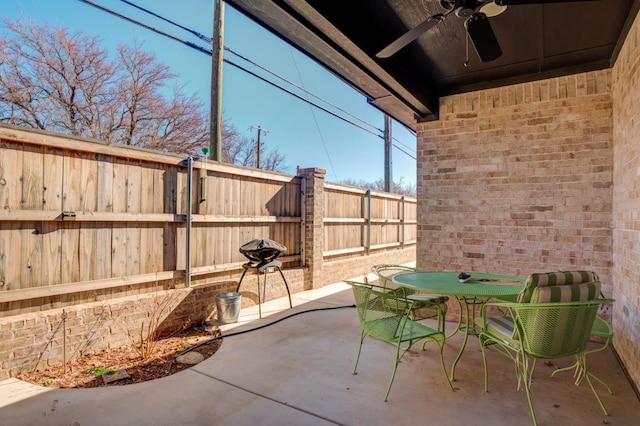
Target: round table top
479	285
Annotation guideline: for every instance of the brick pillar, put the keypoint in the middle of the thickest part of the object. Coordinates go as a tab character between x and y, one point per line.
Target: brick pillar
313	225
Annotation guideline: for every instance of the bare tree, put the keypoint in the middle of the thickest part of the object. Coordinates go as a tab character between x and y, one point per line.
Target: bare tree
274	160
53	80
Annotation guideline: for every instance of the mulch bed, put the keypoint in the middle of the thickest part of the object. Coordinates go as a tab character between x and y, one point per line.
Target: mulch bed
77	372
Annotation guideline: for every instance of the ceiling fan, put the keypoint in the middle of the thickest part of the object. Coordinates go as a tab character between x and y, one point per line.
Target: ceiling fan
476	14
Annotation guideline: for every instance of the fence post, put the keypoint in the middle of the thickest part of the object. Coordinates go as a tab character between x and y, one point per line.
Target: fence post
313	223
367	245
403	219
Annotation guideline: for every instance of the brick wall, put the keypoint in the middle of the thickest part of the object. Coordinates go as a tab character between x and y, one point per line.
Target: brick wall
357	265
36	340
626	202
519	179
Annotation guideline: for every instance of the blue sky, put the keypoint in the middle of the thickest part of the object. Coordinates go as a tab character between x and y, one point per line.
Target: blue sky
309	137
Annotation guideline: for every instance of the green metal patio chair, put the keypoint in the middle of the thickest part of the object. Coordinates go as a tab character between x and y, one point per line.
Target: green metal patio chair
562	287
535	331
424	306
385	316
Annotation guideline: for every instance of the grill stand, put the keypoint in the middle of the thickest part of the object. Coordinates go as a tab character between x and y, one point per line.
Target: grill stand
261	267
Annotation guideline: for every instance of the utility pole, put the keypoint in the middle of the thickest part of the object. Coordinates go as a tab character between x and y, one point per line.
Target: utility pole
388	163
217	45
260	131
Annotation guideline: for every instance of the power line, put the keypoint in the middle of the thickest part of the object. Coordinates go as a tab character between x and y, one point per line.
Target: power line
302	88
208	52
133	21
202	37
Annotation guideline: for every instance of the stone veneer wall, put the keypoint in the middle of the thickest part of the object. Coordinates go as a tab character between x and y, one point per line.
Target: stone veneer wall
626	202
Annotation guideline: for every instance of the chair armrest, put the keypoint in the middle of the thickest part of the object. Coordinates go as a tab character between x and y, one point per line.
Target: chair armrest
510	305
601	328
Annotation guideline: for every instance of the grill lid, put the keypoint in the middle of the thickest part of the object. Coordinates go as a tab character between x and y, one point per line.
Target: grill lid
262	250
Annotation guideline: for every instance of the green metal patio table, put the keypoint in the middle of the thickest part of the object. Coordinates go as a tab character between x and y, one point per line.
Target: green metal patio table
471	294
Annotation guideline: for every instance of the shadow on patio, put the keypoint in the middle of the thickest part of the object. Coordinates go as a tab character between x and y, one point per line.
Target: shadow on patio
298	372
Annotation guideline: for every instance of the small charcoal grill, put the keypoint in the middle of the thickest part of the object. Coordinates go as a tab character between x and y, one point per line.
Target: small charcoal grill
262	251
262	254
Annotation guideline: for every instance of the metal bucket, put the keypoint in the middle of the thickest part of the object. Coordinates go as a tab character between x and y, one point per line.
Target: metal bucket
228	307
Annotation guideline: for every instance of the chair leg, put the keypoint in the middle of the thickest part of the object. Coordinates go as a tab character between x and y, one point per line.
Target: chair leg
362	336
575	366
527	372
393	375
593	376
581	360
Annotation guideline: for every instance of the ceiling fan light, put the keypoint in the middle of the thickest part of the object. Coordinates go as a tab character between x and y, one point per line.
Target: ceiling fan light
492	9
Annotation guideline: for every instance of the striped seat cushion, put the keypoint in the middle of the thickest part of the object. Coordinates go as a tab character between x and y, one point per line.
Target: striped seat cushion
566	293
552	279
500	327
431	299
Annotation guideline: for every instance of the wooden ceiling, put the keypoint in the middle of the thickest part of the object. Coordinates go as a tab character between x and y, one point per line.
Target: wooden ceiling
537	41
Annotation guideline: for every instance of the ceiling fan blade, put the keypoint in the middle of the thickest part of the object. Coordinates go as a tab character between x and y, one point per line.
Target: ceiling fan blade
483	37
409	36
519	2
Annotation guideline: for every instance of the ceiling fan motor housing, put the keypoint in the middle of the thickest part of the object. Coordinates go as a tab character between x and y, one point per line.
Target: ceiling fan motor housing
462	8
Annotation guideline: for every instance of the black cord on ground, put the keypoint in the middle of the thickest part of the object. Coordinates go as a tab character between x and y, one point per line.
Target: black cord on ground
206	342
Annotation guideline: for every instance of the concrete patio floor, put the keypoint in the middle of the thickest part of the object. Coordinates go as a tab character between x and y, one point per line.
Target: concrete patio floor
297	371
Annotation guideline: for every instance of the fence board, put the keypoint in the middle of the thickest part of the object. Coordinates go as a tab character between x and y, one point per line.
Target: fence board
88	200
51	253
53	163
69	240
157	177
104	184
32	178
118	249
31	256
170	180
87	242
9	243
72	166
10	175
119	186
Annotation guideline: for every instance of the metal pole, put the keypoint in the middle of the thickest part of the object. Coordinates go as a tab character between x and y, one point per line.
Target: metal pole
258	154
388	163
215	137
368	222
187	271
258	148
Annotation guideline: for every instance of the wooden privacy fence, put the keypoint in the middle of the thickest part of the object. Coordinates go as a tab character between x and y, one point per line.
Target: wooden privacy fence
360	220
83	220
